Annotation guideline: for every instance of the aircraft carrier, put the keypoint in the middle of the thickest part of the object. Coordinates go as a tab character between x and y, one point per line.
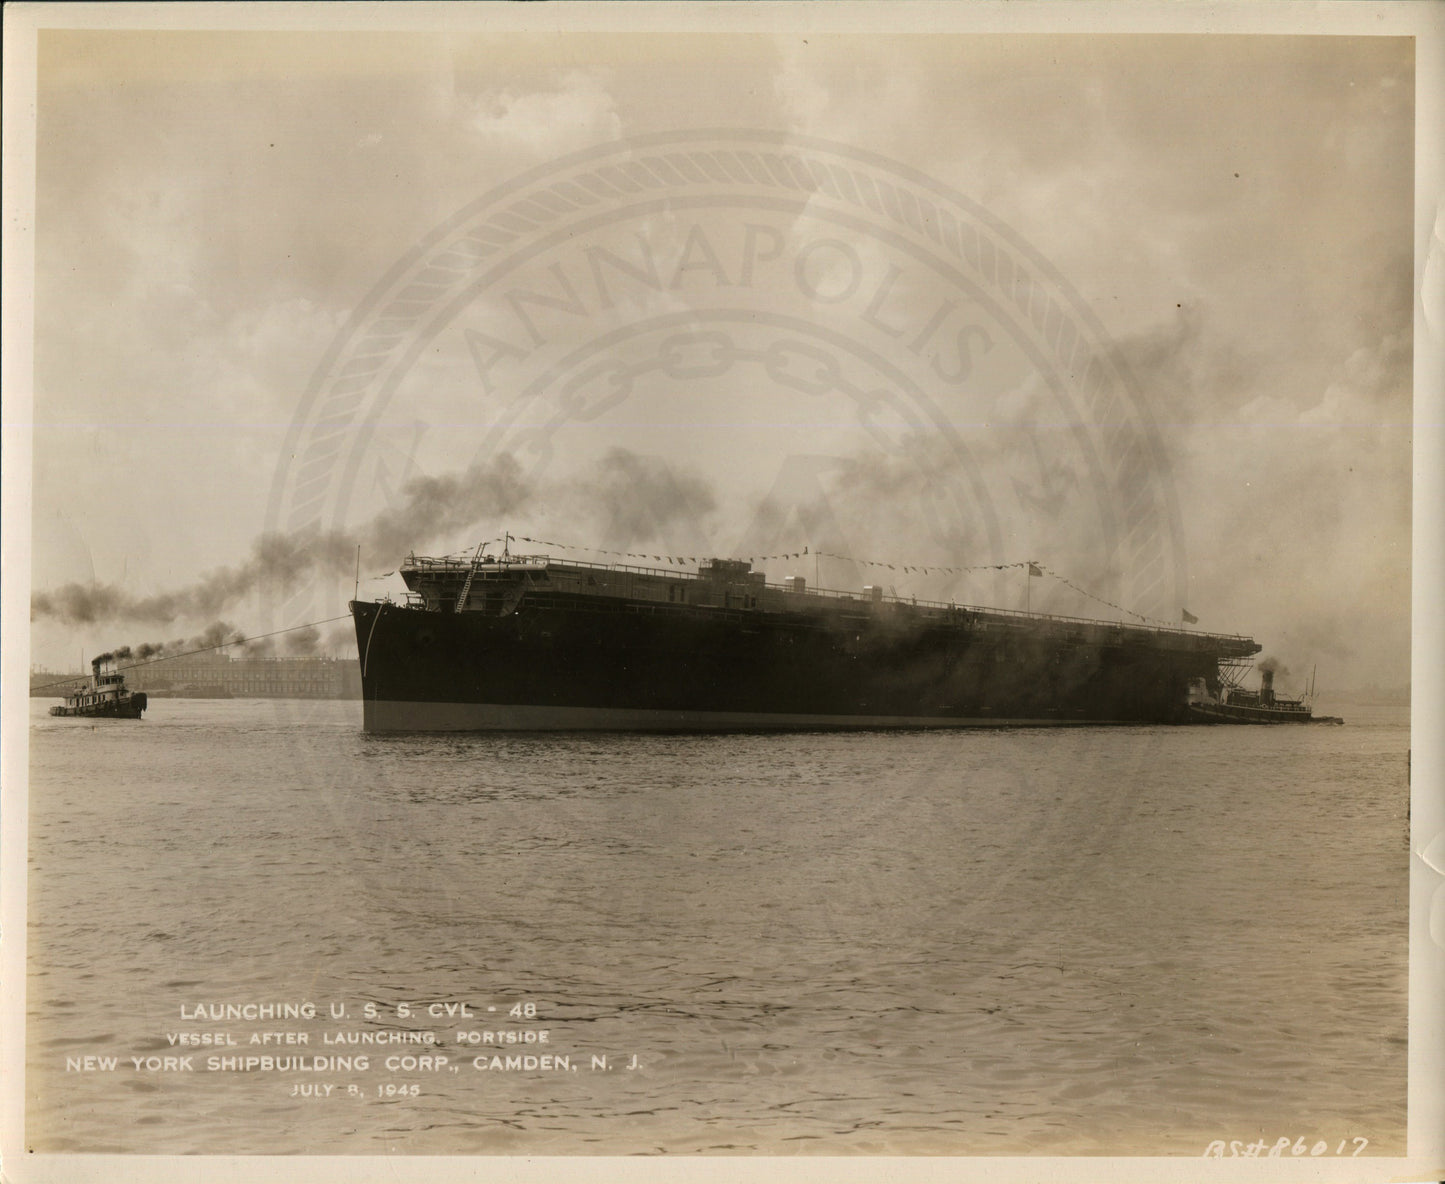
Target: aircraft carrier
529	642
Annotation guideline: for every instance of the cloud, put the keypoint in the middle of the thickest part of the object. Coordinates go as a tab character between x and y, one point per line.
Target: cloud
1299	527
578	111
210	208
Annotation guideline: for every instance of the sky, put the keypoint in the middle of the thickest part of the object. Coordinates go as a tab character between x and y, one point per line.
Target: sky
213	211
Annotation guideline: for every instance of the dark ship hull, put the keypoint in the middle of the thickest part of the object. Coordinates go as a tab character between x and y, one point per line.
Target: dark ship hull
538	645
1230	713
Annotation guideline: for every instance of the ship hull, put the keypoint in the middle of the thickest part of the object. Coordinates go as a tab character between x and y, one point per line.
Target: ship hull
389	715
130	707
1226	713
585	663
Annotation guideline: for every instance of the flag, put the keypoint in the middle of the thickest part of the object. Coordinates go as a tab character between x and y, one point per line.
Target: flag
1035	570
1189	618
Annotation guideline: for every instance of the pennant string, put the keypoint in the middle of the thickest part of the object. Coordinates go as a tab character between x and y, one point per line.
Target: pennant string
912	569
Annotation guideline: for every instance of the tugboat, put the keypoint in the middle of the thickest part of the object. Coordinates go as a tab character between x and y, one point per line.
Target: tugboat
1238	705
105	696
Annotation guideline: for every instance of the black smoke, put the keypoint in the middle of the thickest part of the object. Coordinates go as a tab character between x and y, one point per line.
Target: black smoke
278	563
635	499
623	495
436	506
302	642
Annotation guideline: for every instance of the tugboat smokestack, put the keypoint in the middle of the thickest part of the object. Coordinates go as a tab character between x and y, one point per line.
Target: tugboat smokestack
1266	686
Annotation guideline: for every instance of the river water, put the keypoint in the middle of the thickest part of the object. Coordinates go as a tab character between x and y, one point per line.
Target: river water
984	942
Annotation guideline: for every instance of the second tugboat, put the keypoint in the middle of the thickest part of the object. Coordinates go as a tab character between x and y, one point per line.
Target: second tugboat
105	696
1237	705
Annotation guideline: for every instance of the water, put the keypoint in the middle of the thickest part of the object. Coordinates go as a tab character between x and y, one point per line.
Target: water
1126	941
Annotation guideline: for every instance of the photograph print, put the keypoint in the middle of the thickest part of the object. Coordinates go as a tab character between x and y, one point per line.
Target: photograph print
770	582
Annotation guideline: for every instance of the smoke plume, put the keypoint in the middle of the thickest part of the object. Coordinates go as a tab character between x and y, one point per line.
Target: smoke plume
277	563
302	642
213	637
435	506
625	495
637	499
341	641
218	634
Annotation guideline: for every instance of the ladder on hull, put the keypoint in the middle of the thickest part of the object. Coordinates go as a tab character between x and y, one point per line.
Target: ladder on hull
465	592
467	583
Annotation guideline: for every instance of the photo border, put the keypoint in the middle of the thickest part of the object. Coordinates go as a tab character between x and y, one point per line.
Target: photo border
1426	1098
